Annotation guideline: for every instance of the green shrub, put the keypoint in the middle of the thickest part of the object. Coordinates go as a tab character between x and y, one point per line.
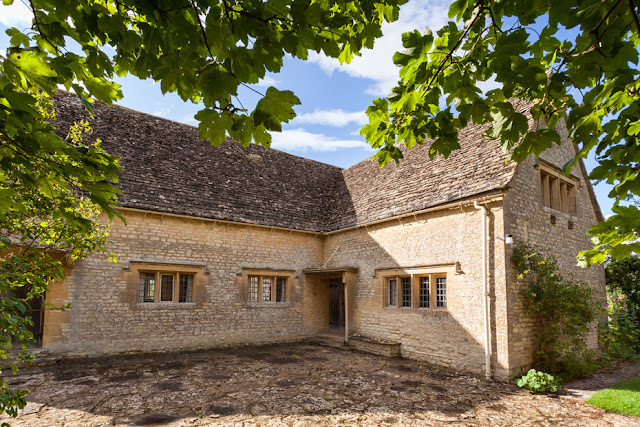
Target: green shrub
562	309
619	332
623	278
538	382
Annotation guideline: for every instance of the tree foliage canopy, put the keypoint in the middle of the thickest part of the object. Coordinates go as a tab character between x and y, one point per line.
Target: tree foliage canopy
201	50
204	50
53	188
577	58
623	276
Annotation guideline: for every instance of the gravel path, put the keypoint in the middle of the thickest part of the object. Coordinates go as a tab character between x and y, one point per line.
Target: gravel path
291	384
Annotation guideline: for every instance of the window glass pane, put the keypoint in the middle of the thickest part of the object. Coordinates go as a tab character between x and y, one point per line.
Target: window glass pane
424	291
406	291
253	288
186	288
267	283
166	287
572	200
441	291
281	284
393	292
554	183
564	202
147	287
546	195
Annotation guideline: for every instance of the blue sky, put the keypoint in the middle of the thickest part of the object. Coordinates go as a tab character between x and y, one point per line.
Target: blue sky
333	97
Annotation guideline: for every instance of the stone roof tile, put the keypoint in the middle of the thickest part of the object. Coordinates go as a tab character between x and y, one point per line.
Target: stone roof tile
167	168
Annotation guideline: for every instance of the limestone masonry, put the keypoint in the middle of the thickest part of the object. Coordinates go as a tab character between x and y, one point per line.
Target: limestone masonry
228	245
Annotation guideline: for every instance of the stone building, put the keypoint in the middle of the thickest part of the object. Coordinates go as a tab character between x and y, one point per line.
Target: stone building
228	245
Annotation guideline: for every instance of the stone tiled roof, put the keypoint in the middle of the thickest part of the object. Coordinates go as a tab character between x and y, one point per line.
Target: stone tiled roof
167	168
368	193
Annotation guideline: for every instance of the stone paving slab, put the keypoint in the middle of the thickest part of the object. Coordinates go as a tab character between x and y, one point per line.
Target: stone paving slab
290	384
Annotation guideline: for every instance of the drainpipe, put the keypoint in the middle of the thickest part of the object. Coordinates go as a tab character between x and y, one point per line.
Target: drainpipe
485	294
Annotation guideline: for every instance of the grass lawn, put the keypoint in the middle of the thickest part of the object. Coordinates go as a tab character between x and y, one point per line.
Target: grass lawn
623	398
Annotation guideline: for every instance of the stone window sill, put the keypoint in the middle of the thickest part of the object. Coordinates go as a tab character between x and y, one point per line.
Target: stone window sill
165	305
423	309
559	213
257	305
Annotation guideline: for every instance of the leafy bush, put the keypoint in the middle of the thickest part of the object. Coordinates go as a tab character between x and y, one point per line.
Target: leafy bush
623	278
538	382
562	309
620	332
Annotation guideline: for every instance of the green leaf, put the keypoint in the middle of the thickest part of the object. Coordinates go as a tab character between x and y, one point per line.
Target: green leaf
276	107
634	128
32	63
535	143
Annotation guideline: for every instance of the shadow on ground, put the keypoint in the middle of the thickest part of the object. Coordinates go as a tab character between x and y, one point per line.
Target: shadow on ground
281	384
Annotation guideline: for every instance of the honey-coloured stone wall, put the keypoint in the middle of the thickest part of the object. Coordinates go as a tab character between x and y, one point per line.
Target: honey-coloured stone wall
529	220
107	317
447	241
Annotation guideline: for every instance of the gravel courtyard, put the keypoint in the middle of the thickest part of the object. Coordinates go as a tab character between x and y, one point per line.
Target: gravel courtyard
290	384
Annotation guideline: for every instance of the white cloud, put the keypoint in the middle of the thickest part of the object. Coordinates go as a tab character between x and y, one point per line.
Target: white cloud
377	64
267	81
163	111
188	119
336	118
18	14
301	140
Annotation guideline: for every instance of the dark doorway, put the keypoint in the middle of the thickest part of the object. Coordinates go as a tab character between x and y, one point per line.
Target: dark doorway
35	310
336	305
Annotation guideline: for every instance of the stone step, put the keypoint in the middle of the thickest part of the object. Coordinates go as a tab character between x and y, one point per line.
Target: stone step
327	340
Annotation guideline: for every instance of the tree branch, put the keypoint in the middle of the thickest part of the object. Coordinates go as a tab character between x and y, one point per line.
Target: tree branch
452	51
634	16
204	34
35	19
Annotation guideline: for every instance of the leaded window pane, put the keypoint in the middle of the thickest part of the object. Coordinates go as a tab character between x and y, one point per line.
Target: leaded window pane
147	287
166	287
281	284
267	284
424	291
185	293
254	285
393	292
441	292
406	291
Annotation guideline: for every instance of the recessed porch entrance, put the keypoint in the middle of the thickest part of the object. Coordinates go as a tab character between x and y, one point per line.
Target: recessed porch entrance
332	299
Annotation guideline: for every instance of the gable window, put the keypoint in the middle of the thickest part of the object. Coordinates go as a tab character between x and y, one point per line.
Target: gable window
430	291
169	287
558	191
267	289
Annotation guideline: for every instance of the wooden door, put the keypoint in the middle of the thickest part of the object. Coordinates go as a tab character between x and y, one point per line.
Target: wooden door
336	305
